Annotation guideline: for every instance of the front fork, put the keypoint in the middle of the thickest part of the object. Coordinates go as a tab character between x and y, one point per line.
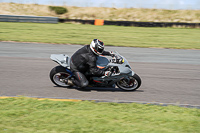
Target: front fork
132	73
126	79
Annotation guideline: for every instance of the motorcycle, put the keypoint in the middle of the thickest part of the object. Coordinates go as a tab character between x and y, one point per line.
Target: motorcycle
121	73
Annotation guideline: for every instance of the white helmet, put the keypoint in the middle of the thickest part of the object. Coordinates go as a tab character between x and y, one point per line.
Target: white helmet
97	46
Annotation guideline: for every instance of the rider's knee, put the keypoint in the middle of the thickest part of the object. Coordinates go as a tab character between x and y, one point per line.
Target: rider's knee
84	84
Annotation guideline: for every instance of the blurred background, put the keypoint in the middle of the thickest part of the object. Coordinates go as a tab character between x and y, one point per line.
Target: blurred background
158	4
112	10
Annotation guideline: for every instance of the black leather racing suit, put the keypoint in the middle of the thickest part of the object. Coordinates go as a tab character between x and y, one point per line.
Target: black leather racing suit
83	60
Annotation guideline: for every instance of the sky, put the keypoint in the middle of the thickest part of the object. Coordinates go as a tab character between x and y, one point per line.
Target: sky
161	4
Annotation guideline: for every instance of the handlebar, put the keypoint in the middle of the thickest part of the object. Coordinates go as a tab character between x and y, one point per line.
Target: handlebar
117	59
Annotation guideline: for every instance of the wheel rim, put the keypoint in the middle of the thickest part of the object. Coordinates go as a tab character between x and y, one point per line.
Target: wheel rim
59	78
128	84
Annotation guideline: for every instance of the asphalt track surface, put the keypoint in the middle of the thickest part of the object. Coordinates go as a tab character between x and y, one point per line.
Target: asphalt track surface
169	76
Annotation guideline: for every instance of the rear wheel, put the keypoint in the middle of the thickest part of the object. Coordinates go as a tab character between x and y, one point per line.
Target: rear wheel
129	84
58	76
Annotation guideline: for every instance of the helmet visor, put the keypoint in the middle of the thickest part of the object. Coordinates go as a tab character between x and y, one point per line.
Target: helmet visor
100	50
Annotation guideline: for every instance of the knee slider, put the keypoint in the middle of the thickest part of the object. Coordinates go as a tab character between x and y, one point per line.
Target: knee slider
84	84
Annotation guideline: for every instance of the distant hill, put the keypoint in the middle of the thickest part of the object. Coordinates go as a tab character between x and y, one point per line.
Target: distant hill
115	14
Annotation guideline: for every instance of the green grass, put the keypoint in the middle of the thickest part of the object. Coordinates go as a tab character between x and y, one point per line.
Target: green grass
105	13
26	115
179	38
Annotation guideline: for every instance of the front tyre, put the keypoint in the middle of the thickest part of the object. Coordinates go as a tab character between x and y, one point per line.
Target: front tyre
58	76
129	84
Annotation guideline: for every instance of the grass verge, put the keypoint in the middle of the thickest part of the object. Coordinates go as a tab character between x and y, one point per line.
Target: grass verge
29	115
116	14
179	38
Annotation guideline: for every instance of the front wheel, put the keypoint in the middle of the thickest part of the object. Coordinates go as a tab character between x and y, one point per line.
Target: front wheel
129	84
58	76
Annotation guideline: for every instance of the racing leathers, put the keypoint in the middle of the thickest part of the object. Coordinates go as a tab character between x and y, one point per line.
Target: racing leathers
85	60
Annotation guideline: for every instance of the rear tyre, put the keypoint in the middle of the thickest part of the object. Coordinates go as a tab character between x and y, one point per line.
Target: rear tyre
58	76
129	84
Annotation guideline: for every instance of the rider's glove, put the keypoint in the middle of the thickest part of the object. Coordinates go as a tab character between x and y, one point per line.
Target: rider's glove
112	54
120	61
107	73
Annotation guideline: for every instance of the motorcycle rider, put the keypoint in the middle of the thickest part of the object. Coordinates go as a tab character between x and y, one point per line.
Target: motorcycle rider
85	59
